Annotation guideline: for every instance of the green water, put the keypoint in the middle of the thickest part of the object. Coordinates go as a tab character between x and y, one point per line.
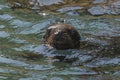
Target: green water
23	56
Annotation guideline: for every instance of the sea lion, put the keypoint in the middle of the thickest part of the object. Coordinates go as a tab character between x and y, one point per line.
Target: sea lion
62	36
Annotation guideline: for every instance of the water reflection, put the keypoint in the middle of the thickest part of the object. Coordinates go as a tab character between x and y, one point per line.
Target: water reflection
4	34
6	17
3	6
25	65
19	23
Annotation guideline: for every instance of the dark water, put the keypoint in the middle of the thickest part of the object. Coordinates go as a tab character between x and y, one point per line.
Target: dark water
23	56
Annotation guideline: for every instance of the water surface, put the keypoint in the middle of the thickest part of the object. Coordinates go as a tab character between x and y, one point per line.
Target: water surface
23	56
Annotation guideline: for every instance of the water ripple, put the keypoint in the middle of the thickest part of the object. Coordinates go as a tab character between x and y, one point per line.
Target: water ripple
25	65
4	34
6	17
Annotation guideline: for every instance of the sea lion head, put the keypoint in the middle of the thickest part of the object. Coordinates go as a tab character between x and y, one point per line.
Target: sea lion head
62	36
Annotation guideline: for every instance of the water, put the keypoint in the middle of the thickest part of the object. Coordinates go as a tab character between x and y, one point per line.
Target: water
23	56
